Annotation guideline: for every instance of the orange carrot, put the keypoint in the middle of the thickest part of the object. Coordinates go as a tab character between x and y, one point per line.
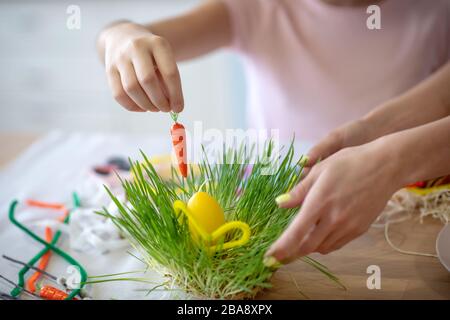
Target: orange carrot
178	134
52	206
31	283
51	293
41	204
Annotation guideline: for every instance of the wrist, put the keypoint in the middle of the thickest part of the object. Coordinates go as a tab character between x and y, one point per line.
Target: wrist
390	161
374	122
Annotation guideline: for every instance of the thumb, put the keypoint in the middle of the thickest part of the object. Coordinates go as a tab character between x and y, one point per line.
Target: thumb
296	196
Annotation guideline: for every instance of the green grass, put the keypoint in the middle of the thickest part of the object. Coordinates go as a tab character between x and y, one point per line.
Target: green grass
149	221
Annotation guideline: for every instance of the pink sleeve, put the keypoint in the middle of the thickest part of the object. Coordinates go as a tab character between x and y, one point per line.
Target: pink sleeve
243	18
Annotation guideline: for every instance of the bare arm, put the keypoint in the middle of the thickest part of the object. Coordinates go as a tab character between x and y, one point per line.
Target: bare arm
404	141
426	102
423	152
140	60
197	32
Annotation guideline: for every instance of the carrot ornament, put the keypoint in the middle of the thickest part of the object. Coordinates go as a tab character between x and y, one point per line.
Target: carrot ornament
178	134
52	293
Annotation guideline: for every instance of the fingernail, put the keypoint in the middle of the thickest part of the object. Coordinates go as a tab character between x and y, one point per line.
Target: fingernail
271	262
283	198
304	160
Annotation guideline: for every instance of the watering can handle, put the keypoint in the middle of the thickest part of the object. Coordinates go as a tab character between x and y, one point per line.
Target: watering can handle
227	227
180	207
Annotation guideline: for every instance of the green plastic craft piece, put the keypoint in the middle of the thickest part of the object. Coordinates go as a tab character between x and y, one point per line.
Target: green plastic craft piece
48	246
21	282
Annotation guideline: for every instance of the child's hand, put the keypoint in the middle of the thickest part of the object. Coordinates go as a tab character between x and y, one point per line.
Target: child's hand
141	69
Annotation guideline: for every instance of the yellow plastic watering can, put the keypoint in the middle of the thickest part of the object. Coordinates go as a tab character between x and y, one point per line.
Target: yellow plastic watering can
207	222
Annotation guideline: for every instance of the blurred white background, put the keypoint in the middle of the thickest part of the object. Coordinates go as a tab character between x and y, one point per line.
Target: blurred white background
51	77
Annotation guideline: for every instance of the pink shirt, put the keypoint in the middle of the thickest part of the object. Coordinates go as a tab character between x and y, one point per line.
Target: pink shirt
312	66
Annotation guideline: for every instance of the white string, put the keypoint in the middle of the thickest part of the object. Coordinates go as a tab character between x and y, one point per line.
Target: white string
414	253
404	203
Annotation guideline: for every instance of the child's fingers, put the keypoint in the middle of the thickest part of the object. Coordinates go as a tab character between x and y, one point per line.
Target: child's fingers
119	93
148	79
132	87
165	60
